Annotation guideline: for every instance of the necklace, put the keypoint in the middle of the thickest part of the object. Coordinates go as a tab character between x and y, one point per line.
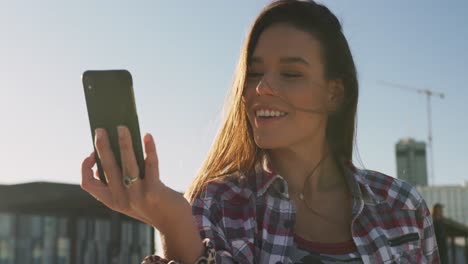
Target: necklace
301	197
301	194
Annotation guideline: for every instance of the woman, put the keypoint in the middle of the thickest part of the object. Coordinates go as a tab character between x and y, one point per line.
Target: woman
278	185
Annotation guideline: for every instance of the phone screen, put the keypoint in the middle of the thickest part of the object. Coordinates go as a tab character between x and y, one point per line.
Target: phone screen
110	102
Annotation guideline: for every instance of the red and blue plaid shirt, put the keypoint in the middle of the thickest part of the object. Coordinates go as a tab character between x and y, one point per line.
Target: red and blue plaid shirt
250	219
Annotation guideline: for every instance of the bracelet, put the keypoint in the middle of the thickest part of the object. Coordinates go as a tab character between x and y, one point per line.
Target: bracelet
209	254
208	257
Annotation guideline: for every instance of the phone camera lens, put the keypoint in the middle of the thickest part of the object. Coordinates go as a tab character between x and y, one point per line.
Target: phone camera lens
88	83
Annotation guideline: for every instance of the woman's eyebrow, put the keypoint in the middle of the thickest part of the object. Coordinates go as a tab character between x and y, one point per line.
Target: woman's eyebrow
284	60
300	60
255	60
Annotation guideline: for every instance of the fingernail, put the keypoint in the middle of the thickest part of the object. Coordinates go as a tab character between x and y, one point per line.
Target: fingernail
98	133
121	131
147	137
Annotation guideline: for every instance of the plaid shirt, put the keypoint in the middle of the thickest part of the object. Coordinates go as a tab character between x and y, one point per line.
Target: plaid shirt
250	219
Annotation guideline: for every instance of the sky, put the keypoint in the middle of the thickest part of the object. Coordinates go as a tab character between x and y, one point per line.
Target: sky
182	56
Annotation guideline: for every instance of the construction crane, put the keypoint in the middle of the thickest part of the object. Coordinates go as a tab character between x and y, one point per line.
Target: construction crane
429	94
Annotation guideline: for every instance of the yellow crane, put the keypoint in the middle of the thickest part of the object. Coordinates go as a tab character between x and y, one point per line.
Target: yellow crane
428	93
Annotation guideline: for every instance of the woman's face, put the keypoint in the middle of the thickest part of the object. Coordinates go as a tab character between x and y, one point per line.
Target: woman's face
285	78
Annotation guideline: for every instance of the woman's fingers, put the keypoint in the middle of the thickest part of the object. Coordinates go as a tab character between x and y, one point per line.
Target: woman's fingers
151	159
118	193
153	187
140	195
127	155
101	191
108	162
87	169
130	168
92	185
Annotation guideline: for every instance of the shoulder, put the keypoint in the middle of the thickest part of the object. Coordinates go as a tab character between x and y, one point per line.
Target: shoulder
226	202
232	188
396	192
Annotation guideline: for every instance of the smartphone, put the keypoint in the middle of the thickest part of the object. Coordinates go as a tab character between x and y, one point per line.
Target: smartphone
110	102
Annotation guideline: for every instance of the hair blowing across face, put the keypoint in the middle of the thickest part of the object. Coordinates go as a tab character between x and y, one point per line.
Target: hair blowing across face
234	149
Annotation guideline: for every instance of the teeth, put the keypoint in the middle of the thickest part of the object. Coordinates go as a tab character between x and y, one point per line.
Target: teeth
269	113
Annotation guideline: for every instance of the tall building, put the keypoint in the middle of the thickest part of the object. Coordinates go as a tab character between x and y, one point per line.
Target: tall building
411	161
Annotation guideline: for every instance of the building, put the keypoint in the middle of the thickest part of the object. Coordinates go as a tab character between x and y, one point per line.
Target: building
454	198
411	161
54	223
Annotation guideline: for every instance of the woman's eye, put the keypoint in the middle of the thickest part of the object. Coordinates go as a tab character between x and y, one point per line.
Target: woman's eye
254	75
291	75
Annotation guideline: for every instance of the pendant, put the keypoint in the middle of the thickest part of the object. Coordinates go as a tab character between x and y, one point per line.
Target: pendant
301	196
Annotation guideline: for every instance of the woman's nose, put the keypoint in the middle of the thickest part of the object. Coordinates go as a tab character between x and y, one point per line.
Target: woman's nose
264	87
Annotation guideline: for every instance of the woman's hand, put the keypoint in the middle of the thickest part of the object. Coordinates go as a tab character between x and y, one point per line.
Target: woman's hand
147	199
143	196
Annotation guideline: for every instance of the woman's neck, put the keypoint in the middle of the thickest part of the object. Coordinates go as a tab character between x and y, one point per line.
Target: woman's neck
316	165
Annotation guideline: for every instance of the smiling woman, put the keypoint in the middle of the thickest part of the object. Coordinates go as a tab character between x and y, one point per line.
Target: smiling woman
278	185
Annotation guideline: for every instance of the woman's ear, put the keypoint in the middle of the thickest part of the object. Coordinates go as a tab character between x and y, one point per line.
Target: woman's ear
335	95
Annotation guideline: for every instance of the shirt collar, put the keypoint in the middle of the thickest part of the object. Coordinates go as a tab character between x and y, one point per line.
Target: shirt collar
265	176
359	185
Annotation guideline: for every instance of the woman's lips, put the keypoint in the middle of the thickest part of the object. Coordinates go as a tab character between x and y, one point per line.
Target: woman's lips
266	114
263	120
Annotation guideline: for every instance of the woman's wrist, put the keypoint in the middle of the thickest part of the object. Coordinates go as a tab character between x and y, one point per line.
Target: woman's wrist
208	255
177	226
186	248
175	211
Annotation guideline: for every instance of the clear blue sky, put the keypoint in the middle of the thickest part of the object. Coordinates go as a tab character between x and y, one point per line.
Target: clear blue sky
182	55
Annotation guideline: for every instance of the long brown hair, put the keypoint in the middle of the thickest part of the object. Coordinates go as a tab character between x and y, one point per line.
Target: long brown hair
234	148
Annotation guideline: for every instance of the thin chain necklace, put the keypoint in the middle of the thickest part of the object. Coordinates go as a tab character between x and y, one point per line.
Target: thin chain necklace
300	195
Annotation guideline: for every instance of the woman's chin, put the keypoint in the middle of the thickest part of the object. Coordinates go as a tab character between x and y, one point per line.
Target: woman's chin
267	144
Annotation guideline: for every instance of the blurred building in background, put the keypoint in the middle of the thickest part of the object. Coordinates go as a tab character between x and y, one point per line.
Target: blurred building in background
53	223
411	161
412	168
453	197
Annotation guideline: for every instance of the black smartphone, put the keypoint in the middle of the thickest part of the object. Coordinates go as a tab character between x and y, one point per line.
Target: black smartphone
110	101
